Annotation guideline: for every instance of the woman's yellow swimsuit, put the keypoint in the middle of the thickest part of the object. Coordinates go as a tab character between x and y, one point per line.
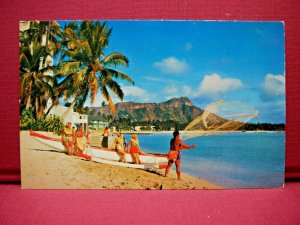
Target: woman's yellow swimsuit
80	141
68	134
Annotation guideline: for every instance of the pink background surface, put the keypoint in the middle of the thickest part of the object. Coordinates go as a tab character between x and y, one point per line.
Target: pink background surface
244	207
273	206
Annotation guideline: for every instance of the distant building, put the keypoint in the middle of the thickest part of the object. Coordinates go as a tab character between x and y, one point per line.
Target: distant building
96	124
137	128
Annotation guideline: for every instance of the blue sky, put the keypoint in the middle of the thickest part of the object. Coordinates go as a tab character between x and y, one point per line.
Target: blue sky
206	61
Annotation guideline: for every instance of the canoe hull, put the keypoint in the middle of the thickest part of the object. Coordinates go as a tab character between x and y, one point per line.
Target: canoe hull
106	154
111	154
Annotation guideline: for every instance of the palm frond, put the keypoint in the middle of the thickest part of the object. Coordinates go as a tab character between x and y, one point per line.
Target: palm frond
70	53
47	69
115	59
82	98
86	47
72	44
79	77
70	33
108	98
87	33
115	88
25	50
39	52
67	68
24	62
119	75
47	78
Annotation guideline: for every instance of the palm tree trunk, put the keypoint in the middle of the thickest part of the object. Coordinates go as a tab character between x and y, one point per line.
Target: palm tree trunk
47	41
49	109
36	109
28	102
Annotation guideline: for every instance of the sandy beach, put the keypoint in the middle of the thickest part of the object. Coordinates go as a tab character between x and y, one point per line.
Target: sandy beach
43	168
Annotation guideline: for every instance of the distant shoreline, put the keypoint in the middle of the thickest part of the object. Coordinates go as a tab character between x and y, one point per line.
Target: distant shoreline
198	132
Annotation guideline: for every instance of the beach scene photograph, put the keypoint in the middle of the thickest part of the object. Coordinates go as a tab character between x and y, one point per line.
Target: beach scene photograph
152	105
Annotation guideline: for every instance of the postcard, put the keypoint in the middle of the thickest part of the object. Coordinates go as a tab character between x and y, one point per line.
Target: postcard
153	105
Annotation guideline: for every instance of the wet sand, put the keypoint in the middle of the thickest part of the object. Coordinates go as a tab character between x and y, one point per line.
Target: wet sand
44	168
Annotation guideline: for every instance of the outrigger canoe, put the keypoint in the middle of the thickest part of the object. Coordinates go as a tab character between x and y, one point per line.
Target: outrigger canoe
106	155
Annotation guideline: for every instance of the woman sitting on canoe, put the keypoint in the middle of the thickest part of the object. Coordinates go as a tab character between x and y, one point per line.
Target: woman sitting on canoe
79	140
67	138
119	146
178	145
135	149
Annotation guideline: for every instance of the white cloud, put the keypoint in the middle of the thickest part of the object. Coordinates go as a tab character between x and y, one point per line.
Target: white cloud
171	65
214	85
273	87
170	90
211	87
173	91
133	93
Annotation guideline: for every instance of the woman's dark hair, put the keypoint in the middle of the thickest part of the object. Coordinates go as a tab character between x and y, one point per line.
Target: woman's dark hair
175	133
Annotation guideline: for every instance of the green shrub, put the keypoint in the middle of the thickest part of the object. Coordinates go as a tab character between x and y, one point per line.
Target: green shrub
54	124
26	119
50	123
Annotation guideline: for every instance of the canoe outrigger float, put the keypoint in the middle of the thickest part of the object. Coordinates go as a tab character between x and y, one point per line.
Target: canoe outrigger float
106	155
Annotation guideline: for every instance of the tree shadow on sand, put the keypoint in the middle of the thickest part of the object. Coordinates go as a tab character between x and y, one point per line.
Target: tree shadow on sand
156	172
44	150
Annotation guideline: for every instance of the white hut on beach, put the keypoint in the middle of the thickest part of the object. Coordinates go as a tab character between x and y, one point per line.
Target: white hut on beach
73	117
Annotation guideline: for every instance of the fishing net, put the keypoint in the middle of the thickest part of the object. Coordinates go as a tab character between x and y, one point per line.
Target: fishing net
221	116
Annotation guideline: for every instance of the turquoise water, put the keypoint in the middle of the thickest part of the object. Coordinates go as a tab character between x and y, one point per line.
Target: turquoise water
232	160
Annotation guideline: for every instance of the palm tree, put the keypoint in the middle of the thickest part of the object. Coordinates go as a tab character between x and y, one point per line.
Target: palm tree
34	85
36	44
85	66
40	42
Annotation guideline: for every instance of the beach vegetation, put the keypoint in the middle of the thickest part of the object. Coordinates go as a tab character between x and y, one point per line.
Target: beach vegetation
263	127
26	119
49	123
146	128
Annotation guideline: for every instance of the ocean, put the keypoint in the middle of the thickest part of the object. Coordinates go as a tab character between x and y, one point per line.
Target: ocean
231	160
